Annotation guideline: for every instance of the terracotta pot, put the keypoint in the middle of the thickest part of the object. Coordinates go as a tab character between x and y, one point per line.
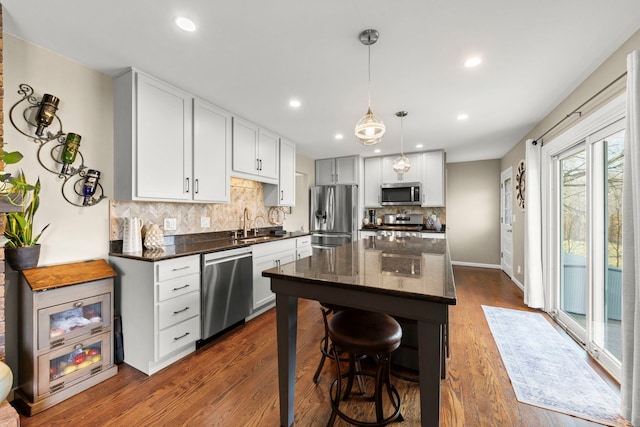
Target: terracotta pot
22	258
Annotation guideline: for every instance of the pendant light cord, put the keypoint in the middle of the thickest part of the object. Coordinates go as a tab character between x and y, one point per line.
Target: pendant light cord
369	71
402	136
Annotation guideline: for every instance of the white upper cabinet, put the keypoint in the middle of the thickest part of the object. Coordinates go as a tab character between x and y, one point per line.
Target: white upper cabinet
155	145
211	153
339	170
255	152
372	181
433	181
414	175
283	194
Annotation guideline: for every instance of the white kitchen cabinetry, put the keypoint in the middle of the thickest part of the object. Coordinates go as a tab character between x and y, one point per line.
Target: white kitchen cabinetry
364	234
389	176
303	247
159	303
283	194
266	256
152	138
372	181
339	170
163	148
255	152
211	153
433	180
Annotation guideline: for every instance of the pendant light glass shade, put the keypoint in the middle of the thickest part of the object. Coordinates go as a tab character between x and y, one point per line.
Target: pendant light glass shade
369	129
401	164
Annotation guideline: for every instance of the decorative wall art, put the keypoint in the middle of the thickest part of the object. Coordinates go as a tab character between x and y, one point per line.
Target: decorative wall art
58	152
520	184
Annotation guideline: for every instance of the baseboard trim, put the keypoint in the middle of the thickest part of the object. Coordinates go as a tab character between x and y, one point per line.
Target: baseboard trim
475	264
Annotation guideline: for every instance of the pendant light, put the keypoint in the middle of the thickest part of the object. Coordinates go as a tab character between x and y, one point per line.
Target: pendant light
401	164
370	129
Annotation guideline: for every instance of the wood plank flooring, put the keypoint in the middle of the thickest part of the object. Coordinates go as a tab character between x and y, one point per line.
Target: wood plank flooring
233	381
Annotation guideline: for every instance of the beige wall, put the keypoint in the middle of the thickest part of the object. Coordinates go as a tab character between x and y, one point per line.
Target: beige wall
86	108
473	212
610	70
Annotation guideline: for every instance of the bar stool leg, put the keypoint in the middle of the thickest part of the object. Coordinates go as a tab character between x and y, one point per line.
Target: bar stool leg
324	344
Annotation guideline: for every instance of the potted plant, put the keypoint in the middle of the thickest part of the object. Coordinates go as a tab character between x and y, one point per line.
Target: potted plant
22	250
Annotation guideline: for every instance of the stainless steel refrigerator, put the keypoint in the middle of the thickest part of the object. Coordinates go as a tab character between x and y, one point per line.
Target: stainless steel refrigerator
334	216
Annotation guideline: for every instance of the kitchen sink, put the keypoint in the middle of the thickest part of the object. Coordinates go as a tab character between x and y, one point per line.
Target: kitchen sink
255	239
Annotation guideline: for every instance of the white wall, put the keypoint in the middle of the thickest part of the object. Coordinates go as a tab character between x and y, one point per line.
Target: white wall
86	108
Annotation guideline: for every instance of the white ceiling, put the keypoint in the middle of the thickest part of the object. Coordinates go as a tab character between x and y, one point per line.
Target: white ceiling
251	56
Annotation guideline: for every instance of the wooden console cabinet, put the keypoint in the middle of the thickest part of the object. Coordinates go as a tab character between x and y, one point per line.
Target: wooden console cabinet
66	333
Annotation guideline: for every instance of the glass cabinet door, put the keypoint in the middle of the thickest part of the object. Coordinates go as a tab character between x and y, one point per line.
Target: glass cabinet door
61	323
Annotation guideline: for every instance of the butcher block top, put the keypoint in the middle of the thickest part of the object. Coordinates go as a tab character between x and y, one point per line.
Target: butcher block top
55	276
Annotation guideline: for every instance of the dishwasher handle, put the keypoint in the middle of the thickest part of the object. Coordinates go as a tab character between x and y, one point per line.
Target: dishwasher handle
227	258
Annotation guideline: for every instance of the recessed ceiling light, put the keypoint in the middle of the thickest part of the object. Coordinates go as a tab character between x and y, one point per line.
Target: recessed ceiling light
419	145
185	24
377	150
339	136
294	103
463	116
474	61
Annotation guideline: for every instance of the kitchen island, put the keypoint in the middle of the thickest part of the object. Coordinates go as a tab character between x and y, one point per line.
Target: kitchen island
405	277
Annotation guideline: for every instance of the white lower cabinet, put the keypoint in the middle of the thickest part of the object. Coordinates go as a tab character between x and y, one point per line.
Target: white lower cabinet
363	234
266	256
303	247
159	303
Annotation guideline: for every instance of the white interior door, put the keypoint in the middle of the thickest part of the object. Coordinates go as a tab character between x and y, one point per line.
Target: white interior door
506	221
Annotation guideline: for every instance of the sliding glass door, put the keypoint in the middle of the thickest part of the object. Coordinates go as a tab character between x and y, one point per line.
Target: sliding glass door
573	286
584	229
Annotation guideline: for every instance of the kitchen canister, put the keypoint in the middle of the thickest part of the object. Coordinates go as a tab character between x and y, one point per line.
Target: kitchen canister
132	235
154	237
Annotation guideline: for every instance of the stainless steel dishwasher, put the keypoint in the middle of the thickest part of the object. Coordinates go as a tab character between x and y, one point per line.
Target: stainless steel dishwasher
226	289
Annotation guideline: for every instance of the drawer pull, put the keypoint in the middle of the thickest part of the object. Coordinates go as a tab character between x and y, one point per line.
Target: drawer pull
181	336
78	304
96	369
181	268
181	287
78	346
56	343
56	387
96	330
181	311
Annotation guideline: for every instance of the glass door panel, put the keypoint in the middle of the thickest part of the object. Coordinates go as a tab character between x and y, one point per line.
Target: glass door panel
573	235
608	314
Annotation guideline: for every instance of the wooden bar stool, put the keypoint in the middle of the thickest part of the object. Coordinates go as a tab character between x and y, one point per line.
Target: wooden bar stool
377	336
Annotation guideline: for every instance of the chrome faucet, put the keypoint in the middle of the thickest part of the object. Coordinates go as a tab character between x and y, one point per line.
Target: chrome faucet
245	225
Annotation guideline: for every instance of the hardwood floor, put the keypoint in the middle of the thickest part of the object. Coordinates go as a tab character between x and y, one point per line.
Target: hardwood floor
233	381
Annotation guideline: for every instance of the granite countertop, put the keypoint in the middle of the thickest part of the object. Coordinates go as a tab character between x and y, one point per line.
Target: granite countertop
415	266
195	244
370	227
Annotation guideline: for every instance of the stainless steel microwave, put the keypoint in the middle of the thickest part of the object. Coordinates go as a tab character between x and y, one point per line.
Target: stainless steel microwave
400	194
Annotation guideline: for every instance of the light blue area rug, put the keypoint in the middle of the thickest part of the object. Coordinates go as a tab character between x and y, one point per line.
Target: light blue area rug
547	370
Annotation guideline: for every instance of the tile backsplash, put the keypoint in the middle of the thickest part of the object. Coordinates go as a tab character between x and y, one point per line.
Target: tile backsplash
229	216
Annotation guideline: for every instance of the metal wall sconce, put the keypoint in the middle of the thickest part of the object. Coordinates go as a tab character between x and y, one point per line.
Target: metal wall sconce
59	148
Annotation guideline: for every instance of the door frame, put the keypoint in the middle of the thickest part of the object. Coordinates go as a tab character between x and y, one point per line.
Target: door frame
506	229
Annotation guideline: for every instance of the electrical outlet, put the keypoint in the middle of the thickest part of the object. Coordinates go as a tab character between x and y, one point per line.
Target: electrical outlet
205	222
170	224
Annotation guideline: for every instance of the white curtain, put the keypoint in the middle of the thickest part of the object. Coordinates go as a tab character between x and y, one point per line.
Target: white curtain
533	286
630	386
